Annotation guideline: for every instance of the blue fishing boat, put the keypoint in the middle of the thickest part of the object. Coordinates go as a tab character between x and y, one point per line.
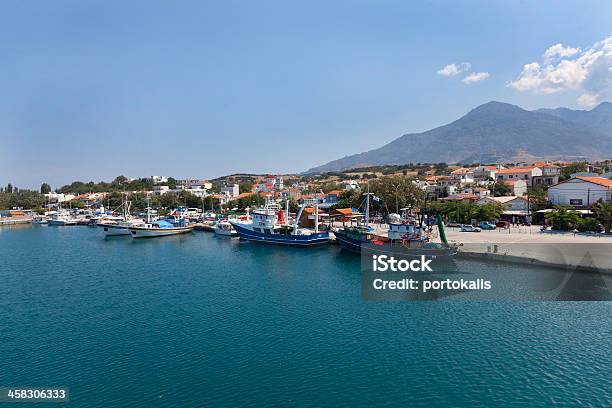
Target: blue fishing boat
270	225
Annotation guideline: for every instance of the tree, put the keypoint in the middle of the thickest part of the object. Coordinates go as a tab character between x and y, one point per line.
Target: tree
397	192
500	189
538	199
171	183
562	218
45	188
9	188
603	212
572	168
489	211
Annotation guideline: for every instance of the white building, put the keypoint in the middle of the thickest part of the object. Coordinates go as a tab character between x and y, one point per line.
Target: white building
231	191
158	179
351	185
486	172
160	190
581	191
462	175
519	173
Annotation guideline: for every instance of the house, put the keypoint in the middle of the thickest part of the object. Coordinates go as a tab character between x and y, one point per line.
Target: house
231	191
486	172
480	192
519	172
160	190
516	209
351	185
581	191
468	197
159	179
517	187
194	183
462	175
332	197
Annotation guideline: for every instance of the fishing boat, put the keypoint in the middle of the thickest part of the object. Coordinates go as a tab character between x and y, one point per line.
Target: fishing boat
406	238
269	225
159	228
119	226
225	228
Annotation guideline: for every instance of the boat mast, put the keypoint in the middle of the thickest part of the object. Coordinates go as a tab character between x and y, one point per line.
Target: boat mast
367	207
287	212
316	215
148	209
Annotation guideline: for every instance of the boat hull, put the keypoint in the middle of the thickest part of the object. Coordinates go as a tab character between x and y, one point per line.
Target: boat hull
142	232
61	223
360	247
115	230
320	238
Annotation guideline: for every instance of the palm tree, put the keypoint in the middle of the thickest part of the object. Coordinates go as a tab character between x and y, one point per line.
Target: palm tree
603	212
562	219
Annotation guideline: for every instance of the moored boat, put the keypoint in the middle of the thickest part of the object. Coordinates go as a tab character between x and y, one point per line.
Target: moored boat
160	228
61	218
225	228
268	226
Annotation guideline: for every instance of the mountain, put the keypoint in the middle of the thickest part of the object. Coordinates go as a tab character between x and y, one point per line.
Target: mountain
598	118
492	132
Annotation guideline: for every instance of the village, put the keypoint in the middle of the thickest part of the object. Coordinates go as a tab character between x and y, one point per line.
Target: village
526	192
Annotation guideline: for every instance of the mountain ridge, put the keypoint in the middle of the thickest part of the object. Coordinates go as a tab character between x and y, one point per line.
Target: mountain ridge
492	132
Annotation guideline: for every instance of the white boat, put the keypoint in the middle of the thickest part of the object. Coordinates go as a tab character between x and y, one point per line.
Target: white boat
61	218
119	226
39	220
159	228
225	228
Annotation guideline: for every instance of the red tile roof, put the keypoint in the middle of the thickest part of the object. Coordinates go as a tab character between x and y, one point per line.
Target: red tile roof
597	180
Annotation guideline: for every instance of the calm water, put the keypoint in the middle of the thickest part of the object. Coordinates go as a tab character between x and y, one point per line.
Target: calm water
201	320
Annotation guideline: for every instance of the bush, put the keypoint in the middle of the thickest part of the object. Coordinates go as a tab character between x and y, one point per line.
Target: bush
588	224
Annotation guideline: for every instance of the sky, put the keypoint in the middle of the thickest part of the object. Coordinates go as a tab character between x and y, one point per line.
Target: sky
200	89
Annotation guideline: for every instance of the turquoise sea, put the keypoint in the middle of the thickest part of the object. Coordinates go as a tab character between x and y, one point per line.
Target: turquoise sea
201	320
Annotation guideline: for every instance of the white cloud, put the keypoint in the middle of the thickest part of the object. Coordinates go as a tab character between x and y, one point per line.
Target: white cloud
475	77
559	51
454	69
564	69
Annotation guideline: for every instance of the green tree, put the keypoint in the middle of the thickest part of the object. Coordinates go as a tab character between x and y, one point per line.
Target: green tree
603	212
563	219
538	199
171	183
45	188
397	192
501	189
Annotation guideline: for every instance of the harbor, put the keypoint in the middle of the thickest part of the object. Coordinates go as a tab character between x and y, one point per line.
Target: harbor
95	313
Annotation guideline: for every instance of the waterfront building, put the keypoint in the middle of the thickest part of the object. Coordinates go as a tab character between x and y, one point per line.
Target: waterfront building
581	191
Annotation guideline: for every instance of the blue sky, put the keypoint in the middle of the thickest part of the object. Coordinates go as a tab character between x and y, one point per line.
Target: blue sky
91	90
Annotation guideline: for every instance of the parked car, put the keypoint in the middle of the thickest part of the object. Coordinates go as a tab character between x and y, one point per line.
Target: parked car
486	225
502	224
453	224
470	228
